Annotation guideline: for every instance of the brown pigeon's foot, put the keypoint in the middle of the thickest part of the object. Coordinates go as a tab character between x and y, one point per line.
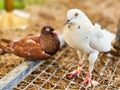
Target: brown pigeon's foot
76	72
89	82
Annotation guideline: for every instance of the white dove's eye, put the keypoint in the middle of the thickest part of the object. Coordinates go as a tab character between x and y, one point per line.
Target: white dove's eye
78	27
76	14
47	29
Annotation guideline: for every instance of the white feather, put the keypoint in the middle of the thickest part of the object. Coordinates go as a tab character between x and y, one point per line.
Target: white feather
101	39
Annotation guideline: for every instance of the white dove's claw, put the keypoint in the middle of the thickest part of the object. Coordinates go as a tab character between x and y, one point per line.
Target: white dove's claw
76	72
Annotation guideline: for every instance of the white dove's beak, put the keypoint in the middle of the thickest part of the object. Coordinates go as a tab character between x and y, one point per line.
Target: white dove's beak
67	22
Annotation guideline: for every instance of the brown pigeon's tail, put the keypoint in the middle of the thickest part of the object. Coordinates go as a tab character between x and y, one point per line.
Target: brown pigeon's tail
4	50
5	40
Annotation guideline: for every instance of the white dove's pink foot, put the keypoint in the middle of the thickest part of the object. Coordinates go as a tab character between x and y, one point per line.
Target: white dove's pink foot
89	82
76	72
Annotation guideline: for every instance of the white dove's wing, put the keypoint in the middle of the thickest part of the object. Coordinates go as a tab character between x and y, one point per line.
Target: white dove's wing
101	40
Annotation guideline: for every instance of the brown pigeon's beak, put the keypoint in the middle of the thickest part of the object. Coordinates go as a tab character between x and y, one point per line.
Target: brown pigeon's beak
54	31
67	22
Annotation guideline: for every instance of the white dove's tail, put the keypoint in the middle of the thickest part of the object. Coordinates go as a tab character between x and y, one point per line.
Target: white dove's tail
108	35
104	37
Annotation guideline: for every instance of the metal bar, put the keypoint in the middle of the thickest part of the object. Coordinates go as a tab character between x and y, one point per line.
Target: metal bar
20	72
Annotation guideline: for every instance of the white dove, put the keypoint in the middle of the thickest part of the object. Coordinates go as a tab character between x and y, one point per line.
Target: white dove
88	40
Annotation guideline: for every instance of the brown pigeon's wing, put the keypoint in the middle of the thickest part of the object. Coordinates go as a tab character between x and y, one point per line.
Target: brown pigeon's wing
29	48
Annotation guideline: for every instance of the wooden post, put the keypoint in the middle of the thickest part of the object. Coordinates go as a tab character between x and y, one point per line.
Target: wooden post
117	43
9	5
116	51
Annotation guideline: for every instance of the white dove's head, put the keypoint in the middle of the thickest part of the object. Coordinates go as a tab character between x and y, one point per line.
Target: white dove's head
77	17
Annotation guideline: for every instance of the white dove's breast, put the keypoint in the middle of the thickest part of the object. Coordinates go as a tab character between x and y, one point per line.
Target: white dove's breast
75	39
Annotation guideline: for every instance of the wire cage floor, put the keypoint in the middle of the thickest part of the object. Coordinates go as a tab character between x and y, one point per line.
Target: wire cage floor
53	74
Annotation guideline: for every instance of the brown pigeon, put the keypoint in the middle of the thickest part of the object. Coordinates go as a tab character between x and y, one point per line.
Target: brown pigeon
33	46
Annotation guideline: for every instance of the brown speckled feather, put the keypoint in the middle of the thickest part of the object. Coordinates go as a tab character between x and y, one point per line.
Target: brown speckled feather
30	48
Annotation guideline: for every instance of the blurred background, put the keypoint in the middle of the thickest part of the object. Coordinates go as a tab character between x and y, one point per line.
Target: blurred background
21	17
41	12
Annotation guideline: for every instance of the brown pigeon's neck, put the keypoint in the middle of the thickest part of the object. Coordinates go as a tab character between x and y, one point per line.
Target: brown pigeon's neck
50	43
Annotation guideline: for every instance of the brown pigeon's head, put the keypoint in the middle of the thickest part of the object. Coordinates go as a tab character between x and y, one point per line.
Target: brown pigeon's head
47	30
49	40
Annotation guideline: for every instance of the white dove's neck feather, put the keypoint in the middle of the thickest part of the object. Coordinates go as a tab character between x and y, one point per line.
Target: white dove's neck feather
85	22
80	25
82	19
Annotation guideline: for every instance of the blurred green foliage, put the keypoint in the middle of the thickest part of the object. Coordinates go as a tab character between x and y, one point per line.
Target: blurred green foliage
1	4
39	2
20	4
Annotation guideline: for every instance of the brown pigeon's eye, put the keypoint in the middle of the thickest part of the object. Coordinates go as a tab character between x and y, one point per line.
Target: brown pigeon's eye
76	14
47	29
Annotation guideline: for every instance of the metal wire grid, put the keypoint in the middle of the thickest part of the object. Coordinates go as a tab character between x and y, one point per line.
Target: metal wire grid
54	74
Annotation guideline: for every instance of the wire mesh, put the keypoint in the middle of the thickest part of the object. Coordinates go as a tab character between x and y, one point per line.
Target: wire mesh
53	74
